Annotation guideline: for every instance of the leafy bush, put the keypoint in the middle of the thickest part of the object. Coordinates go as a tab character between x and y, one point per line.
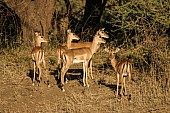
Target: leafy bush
141	28
138	17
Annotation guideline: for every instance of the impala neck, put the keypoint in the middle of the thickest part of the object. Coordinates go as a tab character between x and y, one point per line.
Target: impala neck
114	62
95	45
37	43
68	41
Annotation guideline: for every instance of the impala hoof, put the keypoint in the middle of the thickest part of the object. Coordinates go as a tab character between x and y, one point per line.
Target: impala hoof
48	83
86	85
66	81
48	86
38	84
63	90
125	94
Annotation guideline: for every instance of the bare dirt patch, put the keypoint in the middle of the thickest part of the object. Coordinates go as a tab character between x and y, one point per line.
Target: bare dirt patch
18	94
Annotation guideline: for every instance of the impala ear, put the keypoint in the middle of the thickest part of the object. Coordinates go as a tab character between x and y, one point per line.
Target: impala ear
117	49
103	29
35	32
98	32
69	31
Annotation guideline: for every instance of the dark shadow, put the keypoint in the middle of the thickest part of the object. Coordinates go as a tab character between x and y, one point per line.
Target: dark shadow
129	97
105	66
72	74
55	73
31	75
111	86
114	88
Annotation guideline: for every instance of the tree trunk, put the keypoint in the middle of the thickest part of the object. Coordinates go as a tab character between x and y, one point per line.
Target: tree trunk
93	13
35	15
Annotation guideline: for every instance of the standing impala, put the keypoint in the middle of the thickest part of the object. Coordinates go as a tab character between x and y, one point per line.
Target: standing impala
80	55
122	68
70	36
73	45
38	55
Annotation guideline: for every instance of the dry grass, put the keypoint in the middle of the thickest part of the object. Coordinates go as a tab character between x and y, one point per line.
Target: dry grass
149	89
18	95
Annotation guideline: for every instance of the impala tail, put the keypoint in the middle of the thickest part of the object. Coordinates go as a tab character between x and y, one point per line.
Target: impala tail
127	69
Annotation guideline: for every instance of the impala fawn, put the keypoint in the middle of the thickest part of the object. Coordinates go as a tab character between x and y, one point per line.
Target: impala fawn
122	68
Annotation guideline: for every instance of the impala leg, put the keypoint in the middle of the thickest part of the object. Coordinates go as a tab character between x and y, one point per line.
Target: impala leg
40	72
62	78
124	85
59	61
59	64
91	69
63	72
129	82
46	73
117	84
130	77
33	80
66	80
130	71
86	73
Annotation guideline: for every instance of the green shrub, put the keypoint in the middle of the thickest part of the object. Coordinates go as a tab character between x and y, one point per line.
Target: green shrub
140	29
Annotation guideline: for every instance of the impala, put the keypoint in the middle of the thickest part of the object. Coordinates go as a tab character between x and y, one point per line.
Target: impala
70	36
122	68
72	45
38	55
80	55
